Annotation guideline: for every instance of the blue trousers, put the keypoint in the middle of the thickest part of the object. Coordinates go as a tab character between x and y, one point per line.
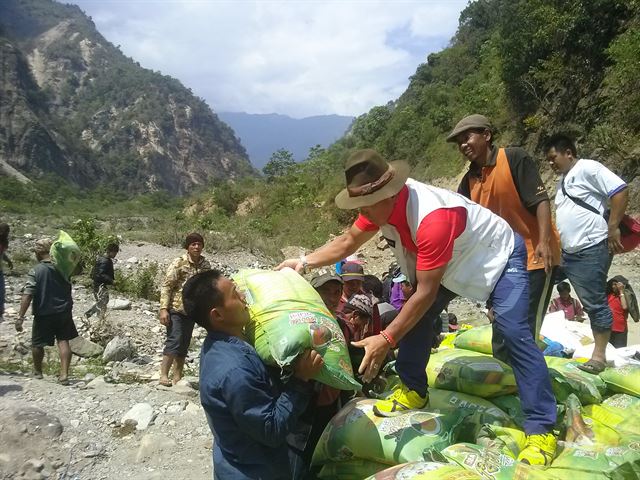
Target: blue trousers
587	271
510	300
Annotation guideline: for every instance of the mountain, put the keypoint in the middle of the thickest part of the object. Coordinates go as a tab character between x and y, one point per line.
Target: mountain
71	104
262	135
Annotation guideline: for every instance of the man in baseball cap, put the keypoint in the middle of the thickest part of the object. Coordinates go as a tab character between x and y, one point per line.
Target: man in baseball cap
329	287
446	245
507	182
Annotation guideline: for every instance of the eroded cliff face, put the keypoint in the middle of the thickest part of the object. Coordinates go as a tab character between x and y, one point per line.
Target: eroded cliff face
72	104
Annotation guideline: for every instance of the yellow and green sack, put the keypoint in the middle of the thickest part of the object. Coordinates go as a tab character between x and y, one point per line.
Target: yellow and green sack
356	432
425	471
477	339
581	430
597	462
624	379
287	317
510	404
470	372
490	463
65	255
567	378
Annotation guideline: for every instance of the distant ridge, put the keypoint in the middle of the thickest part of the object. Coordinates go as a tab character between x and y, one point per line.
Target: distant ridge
263	134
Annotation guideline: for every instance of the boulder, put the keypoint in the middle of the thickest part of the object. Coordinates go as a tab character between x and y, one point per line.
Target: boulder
119	348
84	348
141	413
119	304
38	422
154	446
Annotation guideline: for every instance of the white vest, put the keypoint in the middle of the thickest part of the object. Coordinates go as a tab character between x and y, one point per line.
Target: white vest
480	253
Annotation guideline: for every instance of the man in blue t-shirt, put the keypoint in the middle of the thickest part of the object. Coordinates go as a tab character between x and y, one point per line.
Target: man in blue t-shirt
249	411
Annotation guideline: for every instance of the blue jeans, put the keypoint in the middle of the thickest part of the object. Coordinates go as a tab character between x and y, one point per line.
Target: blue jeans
510	300
587	271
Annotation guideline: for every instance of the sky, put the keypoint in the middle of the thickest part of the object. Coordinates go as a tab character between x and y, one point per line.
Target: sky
298	58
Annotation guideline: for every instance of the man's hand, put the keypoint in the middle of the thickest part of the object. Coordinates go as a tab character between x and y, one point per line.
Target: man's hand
18	324
543	251
308	365
294	263
615	246
165	319
376	349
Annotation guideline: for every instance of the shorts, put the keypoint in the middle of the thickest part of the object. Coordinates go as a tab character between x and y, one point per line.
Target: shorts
179	334
47	328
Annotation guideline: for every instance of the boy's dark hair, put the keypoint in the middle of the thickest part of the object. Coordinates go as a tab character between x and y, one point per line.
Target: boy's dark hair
561	142
373	285
563	287
200	294
113	247
192	238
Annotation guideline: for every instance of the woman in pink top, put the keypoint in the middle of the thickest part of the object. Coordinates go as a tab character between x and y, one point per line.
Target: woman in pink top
565	302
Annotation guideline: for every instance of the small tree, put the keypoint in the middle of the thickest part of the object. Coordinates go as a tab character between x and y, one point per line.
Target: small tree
279	164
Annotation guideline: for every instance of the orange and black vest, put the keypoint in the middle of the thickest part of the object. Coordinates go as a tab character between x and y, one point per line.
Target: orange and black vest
494	188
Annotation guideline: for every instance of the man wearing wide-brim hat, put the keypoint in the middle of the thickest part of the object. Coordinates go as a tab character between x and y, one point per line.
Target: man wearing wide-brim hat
446	245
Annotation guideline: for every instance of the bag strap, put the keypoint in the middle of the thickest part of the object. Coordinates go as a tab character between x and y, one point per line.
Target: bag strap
579	202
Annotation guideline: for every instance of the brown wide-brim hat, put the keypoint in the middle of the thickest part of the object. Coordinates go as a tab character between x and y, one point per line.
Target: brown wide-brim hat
370	179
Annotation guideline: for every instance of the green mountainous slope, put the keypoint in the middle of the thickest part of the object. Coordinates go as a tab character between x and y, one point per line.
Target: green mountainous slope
535	67
71	104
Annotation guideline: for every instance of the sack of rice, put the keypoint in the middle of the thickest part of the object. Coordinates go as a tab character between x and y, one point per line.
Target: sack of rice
625	421
597	462
477	339
350	470
356	432
65	255
490	463
287	317
425	471
582	430
470	372
510	404
478	411
624	379
567	378
508	441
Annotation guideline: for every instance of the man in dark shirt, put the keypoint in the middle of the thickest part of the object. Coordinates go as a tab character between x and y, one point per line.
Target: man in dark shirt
103	276
248	411
507	182
50	293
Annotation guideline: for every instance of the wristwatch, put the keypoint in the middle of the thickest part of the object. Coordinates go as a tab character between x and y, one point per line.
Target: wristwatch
305	264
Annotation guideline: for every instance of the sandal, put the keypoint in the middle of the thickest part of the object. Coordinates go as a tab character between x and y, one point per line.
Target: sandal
165	383
592	366
63	381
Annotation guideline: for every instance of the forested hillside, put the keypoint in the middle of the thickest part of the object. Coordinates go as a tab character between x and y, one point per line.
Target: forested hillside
534	66
71	104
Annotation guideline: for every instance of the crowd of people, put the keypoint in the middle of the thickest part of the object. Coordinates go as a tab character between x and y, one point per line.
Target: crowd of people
493	241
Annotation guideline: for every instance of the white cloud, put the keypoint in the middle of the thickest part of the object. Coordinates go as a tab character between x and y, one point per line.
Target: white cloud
295	57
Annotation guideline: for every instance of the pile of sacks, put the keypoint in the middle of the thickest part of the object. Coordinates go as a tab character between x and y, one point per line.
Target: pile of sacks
472	426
